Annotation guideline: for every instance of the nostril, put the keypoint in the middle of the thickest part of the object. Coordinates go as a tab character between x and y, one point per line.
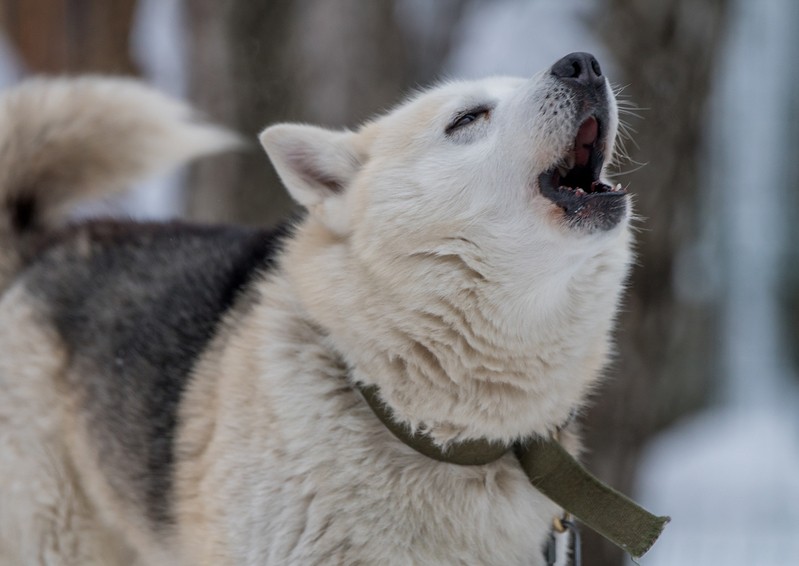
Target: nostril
576	69
596	68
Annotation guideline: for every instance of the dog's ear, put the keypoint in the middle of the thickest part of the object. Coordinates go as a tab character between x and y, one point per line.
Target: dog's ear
314	163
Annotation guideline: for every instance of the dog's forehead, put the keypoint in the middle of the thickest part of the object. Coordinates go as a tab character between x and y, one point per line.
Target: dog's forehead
456	95
441	102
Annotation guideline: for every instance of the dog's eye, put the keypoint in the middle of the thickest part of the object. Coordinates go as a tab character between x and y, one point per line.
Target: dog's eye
467	118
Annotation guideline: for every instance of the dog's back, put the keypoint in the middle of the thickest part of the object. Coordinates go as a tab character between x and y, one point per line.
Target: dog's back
135	305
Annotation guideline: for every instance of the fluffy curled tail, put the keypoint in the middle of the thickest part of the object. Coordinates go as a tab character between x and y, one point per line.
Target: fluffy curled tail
63	140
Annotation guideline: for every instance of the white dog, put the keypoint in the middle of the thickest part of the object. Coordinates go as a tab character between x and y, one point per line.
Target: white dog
190	395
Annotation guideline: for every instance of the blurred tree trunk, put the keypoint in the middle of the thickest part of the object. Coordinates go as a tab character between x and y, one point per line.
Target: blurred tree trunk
331	62
71	36
789	278
667	346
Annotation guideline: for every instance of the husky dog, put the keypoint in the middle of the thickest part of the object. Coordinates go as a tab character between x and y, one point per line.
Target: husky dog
180	394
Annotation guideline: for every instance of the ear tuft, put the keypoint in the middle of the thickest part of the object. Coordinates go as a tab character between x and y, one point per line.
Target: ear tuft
313	163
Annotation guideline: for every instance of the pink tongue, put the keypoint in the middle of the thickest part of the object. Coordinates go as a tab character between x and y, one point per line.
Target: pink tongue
586	136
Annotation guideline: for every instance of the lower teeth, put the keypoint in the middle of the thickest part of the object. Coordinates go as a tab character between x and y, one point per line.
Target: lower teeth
596	187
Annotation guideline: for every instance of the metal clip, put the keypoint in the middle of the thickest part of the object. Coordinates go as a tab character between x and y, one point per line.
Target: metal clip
563	547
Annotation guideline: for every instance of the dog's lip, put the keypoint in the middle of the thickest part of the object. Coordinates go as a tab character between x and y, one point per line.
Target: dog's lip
600	208
552	187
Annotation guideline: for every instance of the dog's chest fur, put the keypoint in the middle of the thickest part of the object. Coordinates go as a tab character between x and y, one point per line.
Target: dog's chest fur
315	474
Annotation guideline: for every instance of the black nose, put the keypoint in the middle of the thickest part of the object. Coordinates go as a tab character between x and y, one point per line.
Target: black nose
580	67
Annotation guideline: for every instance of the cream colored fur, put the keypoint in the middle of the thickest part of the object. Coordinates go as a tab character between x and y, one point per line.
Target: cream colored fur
429	265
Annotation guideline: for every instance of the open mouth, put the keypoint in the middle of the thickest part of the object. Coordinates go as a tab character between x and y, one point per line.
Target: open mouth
574	185
578	173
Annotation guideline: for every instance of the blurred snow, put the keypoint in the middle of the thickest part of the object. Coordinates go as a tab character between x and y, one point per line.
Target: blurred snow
730	477
730	481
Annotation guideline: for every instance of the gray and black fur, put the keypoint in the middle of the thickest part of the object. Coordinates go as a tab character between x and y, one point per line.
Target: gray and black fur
136	304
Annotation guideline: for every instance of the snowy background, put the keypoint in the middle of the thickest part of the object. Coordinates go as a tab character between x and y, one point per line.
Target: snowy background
729	473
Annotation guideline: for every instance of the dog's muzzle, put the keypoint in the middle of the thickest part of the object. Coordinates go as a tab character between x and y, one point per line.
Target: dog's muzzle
574	184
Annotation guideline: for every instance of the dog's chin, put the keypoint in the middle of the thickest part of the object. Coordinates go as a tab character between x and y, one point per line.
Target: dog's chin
573	184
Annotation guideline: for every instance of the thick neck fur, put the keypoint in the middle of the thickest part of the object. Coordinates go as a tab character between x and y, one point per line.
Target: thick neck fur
453	351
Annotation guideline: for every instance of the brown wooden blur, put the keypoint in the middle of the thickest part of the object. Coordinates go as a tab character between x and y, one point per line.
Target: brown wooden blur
70	36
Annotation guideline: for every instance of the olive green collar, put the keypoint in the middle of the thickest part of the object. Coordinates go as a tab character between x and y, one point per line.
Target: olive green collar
551	470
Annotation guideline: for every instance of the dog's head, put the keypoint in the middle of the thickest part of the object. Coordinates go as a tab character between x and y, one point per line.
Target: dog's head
527	152
512	165
492	187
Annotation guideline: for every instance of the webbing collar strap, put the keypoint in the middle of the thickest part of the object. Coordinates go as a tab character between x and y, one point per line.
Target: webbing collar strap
551	470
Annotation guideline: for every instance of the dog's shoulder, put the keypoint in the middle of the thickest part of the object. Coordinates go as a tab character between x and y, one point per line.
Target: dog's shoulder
136	304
